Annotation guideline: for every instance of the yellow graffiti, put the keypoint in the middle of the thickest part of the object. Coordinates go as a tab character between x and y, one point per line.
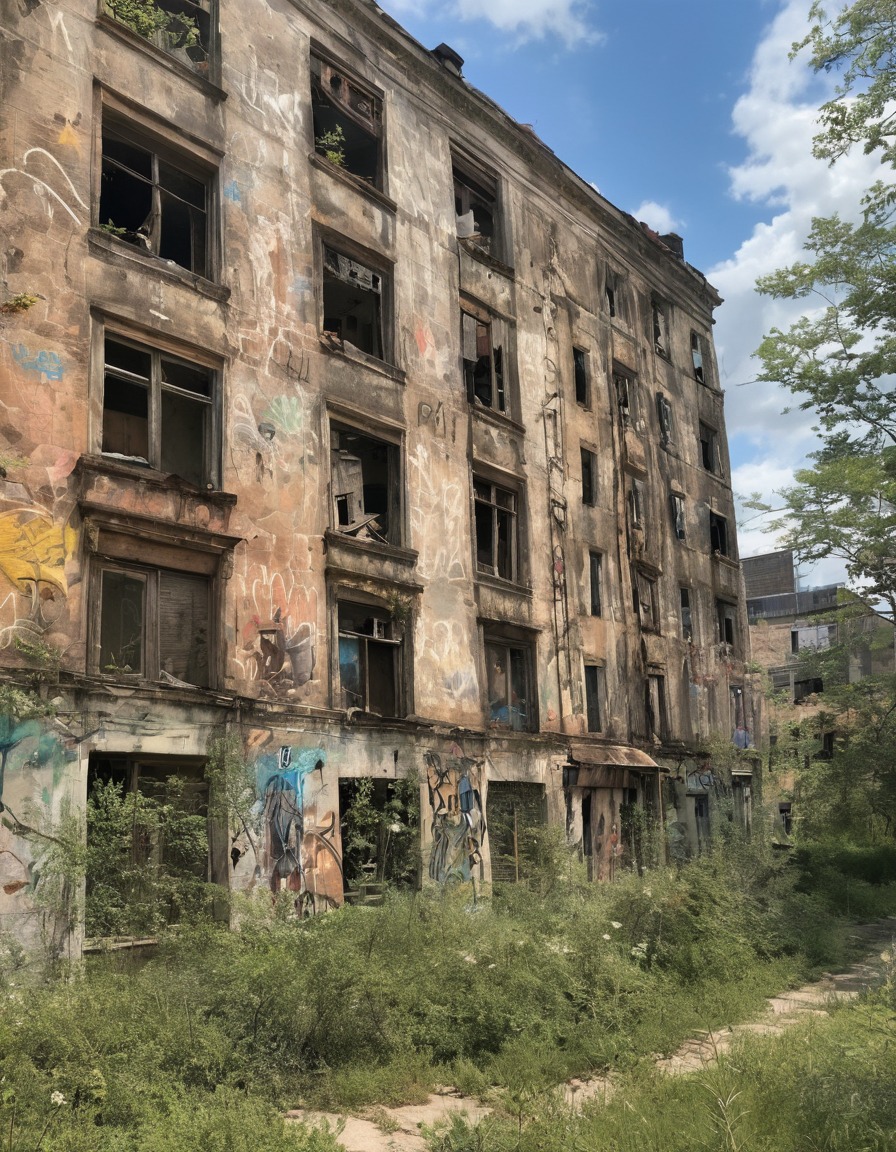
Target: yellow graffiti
34	548
68	137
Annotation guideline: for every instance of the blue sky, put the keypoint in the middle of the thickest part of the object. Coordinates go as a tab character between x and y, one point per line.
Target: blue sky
689	115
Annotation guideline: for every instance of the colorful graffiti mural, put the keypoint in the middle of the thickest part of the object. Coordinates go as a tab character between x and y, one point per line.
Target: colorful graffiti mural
33	552
301	852
457	819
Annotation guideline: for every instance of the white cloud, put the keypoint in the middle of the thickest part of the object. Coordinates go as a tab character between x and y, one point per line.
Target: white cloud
776	118
656	216
569	20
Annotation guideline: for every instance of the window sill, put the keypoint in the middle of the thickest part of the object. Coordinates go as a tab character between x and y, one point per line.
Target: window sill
486	258
166	481
351	181
141	44
404	556
499	419
101	242
487	580
348	351
726	561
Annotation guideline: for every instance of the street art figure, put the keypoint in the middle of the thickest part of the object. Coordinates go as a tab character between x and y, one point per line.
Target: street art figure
301	849
457	819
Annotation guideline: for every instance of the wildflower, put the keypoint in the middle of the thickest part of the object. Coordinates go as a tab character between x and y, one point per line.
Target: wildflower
396	827
615	924
606	936
647	892
58	1099
493	965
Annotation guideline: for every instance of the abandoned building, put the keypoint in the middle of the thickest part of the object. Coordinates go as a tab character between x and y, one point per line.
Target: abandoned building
342	420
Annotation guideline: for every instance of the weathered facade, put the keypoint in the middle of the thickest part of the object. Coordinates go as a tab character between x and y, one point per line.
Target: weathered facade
348	421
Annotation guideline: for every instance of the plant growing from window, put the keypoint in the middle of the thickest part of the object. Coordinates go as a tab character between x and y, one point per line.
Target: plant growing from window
148	20
331	145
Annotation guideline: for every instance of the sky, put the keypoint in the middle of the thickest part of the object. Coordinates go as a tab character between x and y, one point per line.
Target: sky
690	115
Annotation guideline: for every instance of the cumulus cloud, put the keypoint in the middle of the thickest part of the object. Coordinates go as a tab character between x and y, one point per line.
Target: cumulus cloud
656	216
776	118
568	20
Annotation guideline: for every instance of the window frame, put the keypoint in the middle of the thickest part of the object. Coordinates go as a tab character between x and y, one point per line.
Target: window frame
594	683
106	328
624	391
720	542
472	181
376	267
646	596
686	614
165	145
508	642
515	512
353	116
726	623
699	357
394	637
581	376
588	460
656	705
664	417
677	506
710	449
595	582
661	327
636	502
499	334
395	535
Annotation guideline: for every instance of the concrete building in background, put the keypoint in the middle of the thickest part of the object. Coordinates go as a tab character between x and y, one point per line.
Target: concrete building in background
340	417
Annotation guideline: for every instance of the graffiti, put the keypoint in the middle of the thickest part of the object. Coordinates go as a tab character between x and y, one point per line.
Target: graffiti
439	521
447	647
285	658
458	819
41	188
232	192
286	413
301	845
33	551
434	418
278	641
43	363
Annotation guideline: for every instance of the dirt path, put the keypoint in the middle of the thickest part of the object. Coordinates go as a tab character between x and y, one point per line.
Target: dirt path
398	1129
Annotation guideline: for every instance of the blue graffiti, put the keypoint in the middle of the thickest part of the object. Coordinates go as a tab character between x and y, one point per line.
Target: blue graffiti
44	363
232	192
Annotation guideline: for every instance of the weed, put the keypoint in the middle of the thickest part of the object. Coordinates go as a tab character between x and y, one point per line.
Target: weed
19	303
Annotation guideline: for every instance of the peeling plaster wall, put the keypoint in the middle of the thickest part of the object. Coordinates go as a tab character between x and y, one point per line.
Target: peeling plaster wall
265	528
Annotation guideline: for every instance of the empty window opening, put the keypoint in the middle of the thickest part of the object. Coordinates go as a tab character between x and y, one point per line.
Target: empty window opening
698	357
614	295
366	489
352	304
646	604
152	849
580	370
804	688
178	27
157	410
515	814
594	682
677	504
710	452
624	387
719	541
655	707
152	621
595	571
738	716
664	415
507	679
476	206
687	623
589	477
154	202
369	659
660	328
379	825
496	529
483	355
727	622
636	504
348	125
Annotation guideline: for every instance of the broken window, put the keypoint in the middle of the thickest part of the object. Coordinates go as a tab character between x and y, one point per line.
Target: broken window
155	199
476	204
738	718
514	811
698	357
508	677
369	659
664	415
379	827
154	624
646	604
624	387
594	685
636	504
589	477
158	410
580	371
179	27
660	327
152	847
726	615
348	122
483	355
595	566
365	485
614	294
677	503
687	624
655	707
710	452
719	541
353	303
496	529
